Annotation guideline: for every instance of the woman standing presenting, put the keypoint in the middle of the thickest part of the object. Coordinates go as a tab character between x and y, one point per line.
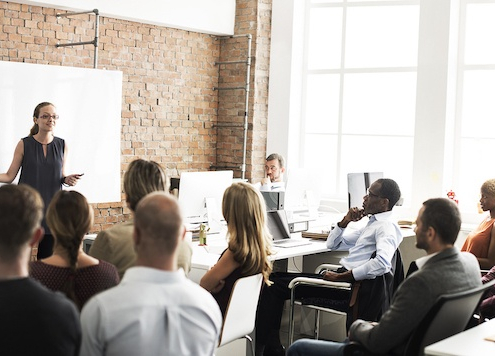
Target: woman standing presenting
42	158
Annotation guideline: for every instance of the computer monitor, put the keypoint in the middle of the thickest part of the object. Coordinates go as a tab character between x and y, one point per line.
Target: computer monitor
358	184
301	192
201	194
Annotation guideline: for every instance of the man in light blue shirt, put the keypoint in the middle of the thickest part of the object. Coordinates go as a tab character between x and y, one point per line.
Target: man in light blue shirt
371	251
381	235
444	270
155	310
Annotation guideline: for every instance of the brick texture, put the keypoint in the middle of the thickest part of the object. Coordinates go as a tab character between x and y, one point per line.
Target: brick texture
171	112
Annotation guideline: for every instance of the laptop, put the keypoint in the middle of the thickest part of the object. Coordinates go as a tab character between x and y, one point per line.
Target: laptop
279	228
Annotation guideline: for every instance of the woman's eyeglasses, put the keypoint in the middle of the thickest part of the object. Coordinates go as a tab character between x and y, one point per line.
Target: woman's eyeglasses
46	117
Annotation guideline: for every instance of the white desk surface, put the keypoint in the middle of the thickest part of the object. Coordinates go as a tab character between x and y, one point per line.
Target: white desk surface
204	257
468	343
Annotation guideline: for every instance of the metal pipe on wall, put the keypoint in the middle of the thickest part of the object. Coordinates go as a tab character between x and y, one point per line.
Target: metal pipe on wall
94	42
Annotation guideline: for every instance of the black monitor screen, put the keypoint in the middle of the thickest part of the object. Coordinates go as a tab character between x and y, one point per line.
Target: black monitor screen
358	184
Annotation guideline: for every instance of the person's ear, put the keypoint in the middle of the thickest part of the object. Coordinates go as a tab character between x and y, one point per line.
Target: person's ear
430	233
282	169
183	233
37	236
136	238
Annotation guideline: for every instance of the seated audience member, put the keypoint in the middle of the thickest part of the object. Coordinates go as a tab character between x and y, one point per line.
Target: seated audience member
33	319
487	306
371	251
115	245
249	242
274	174
481	241
155	310
69	269
443	270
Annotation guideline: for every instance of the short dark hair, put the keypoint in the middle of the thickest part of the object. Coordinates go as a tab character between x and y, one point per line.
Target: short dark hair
389	189
443	215
22	211
280	158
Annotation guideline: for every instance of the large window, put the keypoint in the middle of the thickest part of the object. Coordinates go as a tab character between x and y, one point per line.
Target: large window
402	87
359	90
475	136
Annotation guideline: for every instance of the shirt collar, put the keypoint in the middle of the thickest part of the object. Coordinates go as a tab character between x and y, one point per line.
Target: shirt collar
386	215
153	275
420	262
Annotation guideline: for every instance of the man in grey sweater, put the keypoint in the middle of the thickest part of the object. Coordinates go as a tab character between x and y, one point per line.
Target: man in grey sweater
443	270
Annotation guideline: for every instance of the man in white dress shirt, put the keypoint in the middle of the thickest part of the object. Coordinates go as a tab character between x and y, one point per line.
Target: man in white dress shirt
371	253
155	310
274	174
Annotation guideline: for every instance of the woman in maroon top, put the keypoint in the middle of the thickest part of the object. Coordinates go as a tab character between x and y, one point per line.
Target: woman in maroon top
69	269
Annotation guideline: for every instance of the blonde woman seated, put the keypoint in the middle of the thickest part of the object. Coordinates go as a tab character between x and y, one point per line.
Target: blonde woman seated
481	241
249	243
69	269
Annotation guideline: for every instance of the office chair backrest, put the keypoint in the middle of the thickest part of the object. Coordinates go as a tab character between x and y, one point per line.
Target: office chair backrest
449	316
241	310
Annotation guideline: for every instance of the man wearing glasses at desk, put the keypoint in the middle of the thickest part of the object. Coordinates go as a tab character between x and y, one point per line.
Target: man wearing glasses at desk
371	254
274	174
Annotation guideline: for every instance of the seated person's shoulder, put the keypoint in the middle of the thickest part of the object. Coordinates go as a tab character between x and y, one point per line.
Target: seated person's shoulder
49	301
115	237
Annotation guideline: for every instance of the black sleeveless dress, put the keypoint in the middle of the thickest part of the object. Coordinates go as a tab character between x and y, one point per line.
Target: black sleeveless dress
223	296
43	174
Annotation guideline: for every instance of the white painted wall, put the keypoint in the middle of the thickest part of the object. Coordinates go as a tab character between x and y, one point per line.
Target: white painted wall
215	17
284	100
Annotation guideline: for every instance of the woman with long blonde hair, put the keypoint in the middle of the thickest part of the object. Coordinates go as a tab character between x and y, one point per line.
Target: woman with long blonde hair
249	242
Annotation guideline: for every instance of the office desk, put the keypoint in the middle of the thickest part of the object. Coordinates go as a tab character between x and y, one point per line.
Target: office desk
468	343
204	257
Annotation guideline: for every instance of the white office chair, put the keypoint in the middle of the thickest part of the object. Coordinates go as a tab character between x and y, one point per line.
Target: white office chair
241	311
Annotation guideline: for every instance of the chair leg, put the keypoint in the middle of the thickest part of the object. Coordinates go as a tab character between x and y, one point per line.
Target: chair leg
248	338
317	324
291	317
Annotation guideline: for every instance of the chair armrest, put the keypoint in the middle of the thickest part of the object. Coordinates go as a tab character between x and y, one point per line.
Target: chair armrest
318	282
327	266
484	271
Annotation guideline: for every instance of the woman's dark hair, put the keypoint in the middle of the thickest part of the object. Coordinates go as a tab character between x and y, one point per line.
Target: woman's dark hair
34	130
69	217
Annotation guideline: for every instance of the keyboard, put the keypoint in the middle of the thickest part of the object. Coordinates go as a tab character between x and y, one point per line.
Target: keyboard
286	243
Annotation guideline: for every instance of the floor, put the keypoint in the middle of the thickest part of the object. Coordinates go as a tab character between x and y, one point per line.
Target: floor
284	328
332	327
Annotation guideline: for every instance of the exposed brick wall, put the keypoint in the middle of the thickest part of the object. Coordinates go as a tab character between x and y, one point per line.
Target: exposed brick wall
252	17
169	107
